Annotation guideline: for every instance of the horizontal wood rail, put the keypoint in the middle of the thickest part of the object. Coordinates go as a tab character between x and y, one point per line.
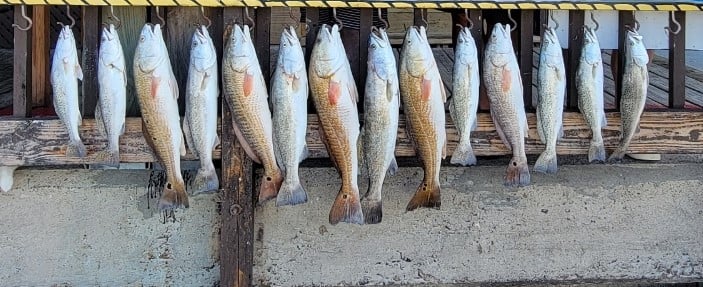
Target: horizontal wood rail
43	142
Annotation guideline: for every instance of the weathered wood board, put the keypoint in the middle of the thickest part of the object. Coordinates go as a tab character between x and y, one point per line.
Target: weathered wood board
43	142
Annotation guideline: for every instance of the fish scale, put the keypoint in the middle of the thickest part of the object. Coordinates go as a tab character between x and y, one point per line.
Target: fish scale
589	86
464	101
112	82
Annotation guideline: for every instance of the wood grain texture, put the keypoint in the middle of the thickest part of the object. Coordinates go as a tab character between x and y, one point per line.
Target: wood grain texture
91	44
677	62
21	90
43	142
41	88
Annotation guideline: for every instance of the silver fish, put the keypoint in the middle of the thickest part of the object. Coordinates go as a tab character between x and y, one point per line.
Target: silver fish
635	81
112	82
65	73
501	75
463	105
289	92
589	85
200	122
551	90
7	177
381	112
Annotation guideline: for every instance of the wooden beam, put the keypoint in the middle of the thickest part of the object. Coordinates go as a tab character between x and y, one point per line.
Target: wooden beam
365	23
573	55
312	14
476	17
21	91
43	142
237	233
418	16
41	87
677	62
91	45
525	30
262	35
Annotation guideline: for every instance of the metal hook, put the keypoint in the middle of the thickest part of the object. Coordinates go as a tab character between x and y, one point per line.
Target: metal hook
163	22
422	17
385	22
551	16
471	23
678	26
296	21
510	16
637	23
68	14
246	13
334	15
29	21
202	13
113	17
593	18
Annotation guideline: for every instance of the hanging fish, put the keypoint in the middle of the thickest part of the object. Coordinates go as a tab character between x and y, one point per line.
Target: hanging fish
245	91
551	90
381	112
65	73
7	177
157	91
423	96
335	96
200	122
112	84
463	105
589	85
289	90
635	81
501	74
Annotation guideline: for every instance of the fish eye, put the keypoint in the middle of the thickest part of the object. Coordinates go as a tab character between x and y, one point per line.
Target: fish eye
373	46
461	40
141	38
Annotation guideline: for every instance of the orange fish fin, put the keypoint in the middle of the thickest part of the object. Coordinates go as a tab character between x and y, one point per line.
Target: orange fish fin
174	195
444	91
248	84
507	79
173	85
517	174
346	207
427	195
245	145
155	82
270	184
334	92
353	92
426	89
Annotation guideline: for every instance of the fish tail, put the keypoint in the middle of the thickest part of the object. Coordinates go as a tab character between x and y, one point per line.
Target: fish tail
291	193
206	180
346	207
427	195
6	177
463	155
270	184
108	157
618	154
518	173
76	149
596	152
173	196
371	204
547	162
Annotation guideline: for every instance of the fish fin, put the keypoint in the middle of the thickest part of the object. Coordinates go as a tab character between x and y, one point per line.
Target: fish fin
305	153
426	89
507	79
99	122
618	154
270	184
182	149
463	155
155	83
173	85
637	130
474	126
363	169
427	195
174	196
6	177
393	167
108	157
334	92
245	145
291	193
188	135
596	152
444	149
502	136
546	162
76	149
518	174
373	211
346	207
603	121
216	142
206	180
248	84
79	71
389	91
353	92
442	90
525	125
540	130
560	134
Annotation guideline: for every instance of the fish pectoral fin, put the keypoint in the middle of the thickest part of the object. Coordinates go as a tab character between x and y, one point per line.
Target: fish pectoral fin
393	167
603	121
174	86
506	85
353	92
182	148
389	91
426	89
79	71
443	90
245	145
304	154
500	132
99	122
444	149
216	142
334	92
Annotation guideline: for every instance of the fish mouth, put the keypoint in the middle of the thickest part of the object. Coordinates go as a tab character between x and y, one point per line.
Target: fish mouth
289	35
378	37
550	35
465	35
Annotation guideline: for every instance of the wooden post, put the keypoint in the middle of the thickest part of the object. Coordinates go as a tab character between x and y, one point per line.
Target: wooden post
365	23
91	44
677	61
312	14
418	16
262	36
237	234
525	29
618	60
573	55
476	17
39	75
21	91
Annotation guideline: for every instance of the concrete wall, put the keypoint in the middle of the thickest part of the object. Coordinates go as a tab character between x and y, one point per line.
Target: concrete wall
630	222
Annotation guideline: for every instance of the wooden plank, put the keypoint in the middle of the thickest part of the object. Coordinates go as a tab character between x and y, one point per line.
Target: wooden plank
476	17
91	42
576	22
312	14
41	87
419	17
262	34
42	142
178	35
525	30
677	62
21	91
365	23
445	65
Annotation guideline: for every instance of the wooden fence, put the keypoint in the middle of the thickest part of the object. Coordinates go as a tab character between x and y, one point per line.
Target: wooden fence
29	138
